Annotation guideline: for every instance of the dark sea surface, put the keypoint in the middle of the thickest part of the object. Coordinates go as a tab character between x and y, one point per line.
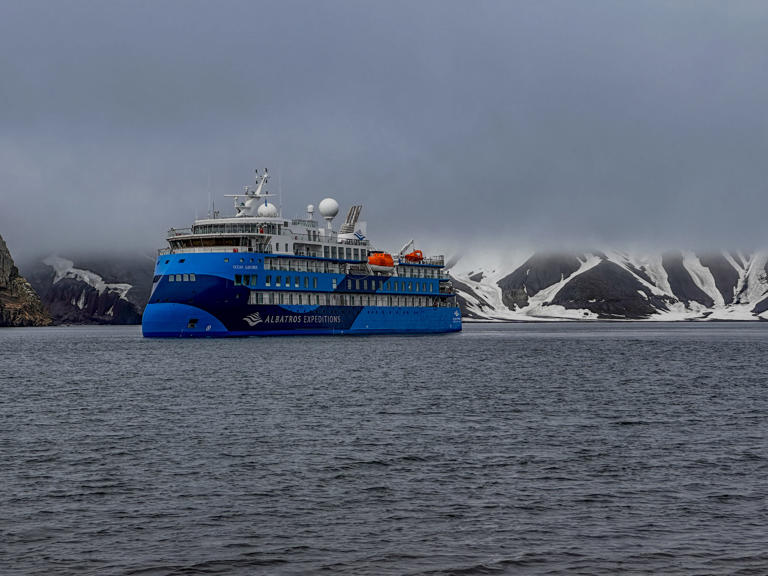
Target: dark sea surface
518	448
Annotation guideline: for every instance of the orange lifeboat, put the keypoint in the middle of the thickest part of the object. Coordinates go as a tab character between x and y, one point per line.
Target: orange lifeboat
381	260
415	256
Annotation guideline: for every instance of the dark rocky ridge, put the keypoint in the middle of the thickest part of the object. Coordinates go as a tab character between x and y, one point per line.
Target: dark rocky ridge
539	271
19	304
680	281
610	292
725	275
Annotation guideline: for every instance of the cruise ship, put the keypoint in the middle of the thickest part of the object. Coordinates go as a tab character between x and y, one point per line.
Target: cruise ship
257	273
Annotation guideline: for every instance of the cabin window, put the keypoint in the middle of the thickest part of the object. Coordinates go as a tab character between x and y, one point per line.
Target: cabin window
278	281
182	261
171	278
431	287
167	261
246	279
226	259
306	282
424	287
394	286
333	283
186	277
254	277
178	277
192	278
314	282
348	252
238	279
268	280
296	281
357	284
410	286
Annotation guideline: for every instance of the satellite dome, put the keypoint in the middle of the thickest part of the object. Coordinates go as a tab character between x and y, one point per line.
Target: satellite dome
267	210
328	208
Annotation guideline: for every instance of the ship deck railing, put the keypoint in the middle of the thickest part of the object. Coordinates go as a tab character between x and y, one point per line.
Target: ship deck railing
427	261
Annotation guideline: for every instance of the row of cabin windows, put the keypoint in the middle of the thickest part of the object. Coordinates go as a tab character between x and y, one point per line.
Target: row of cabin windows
392	285
181	278
298	282
327	299
299	265
263	228
246	279
417	272
345	252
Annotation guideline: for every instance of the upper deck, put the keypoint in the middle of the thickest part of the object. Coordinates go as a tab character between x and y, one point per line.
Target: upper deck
260	228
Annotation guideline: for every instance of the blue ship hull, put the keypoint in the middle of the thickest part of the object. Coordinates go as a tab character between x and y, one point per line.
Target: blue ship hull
212	302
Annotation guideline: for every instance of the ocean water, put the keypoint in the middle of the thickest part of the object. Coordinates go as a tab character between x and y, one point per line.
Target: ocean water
517	448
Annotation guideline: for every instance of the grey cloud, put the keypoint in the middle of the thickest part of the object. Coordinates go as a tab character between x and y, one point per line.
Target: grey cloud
536	122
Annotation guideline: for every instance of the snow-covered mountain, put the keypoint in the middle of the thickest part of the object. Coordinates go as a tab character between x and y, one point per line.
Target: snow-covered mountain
611	284
94	289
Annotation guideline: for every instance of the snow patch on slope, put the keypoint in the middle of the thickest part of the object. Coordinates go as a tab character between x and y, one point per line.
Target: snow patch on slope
64	268
702	277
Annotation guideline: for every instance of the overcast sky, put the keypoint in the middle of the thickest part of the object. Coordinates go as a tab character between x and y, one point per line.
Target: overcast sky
536	122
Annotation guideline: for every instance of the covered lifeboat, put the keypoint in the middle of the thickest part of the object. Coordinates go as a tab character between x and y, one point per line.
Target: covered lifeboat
415	256
381	262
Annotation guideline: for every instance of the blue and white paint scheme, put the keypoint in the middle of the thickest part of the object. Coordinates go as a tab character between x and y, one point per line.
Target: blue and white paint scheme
259	274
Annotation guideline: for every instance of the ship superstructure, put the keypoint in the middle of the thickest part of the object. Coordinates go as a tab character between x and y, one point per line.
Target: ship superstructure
257	273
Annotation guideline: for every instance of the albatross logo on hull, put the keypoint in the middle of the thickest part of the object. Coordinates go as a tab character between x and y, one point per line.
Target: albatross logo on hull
253	319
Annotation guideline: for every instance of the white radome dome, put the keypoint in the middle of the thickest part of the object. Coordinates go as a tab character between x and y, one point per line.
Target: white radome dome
267	210
328	207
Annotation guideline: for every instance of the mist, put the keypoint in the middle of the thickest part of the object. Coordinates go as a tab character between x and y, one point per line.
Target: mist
460	124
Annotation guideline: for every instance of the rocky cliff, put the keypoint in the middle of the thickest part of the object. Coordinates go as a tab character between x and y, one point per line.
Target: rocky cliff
19	304
105	289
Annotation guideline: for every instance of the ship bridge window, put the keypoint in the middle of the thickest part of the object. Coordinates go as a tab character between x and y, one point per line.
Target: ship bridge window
254	277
